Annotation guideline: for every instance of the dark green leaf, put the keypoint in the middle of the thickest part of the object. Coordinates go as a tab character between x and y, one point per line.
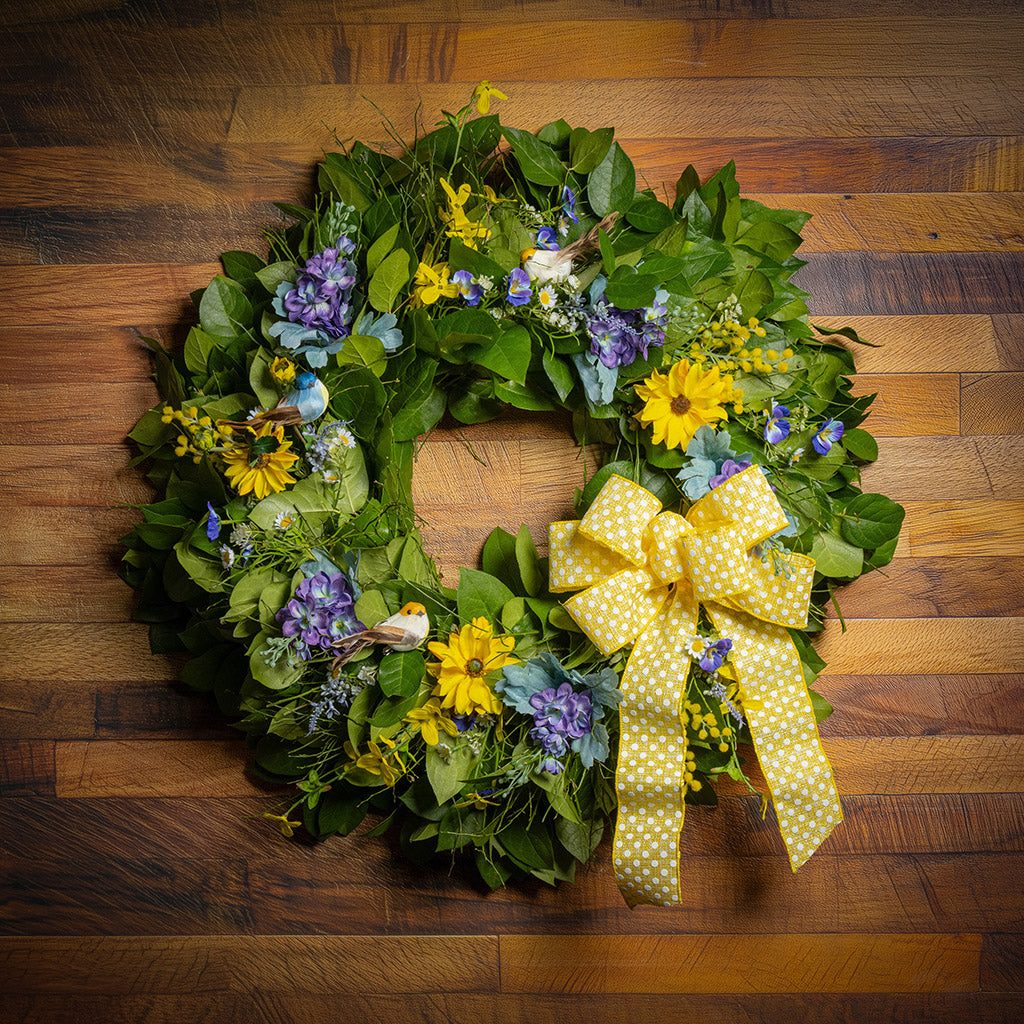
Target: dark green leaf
401	673
588	149
612	184
870	520
537	160
481	594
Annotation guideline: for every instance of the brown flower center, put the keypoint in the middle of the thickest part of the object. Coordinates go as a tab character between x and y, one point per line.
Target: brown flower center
474	666
680	404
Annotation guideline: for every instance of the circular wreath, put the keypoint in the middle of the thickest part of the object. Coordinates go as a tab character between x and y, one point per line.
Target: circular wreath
481	267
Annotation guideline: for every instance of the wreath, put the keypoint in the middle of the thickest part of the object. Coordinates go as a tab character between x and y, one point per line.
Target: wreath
479	268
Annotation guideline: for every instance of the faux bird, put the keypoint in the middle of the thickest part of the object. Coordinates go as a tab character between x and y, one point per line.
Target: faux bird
545	265
307	401
403	631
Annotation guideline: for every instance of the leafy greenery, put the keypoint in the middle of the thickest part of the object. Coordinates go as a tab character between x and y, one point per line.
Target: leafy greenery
711	269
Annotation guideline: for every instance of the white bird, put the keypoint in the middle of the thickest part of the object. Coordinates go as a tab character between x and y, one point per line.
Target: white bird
545	265
403	631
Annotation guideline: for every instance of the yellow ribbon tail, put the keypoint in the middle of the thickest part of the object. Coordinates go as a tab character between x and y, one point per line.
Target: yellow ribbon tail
784	731
652	757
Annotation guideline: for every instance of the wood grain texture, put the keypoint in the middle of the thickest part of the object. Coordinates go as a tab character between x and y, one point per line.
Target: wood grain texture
138	879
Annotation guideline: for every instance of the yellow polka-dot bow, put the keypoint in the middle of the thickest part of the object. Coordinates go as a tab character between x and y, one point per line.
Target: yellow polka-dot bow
646	572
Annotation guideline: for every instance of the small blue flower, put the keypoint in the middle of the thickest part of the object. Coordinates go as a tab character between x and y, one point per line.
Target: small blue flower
776	429
569	204
519	292
826	435
547	238
715	654
212	524
468	288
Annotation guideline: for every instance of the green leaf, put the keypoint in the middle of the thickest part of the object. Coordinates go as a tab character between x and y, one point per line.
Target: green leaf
581	840
498	558
860	444
531	848
771	238
833	556
448	777
822	708
612	184
629	290
538	161
529	562
380	248
242	267
363	350
416	419
869	520
555	133
388	280
224	310
401	673
508	355
260	380
650	215
339	814
846	332
274	677
559	375
689	181
607	252
270	277
522	396
334	173
587	149
481	594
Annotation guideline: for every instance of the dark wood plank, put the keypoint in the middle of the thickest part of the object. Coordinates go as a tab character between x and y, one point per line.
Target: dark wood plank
850	283
27	767
1002	963
992	403
115	895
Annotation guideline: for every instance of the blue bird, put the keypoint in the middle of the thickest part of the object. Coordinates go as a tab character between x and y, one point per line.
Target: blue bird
305	402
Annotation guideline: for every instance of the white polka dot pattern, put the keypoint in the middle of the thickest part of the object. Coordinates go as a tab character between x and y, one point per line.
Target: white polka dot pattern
644	573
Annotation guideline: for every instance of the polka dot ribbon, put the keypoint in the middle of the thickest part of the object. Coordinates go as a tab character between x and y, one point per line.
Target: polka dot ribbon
645	573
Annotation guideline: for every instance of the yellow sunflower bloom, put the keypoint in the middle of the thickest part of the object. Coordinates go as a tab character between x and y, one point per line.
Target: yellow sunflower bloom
464	663
678	403
428	718
259	461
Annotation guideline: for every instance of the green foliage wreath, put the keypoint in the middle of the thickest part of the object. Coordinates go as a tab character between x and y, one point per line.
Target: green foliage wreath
480	268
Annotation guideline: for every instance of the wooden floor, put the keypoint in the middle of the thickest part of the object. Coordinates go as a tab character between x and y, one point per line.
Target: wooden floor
137	141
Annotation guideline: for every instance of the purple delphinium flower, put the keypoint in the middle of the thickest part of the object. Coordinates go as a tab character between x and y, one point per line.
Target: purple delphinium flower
730	468
560	716
547	238
322	610
776	429
468	288
519	291
212	524
714	654
320	298
569	204
826	435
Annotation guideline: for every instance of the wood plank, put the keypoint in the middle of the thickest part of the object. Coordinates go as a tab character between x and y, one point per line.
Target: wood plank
212	176
74	537
923	646
922	705
721	107
27	767
124	896
963	528
56	414
853	282
209	964
937	587
445	51
1002	963
154	768
41	593
103	296
922	764
71	475
909	404
81	355
711	963
934	223
992	403
953	468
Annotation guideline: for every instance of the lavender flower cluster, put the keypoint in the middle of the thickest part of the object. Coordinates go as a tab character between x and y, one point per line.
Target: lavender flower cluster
322	611
321	294
619	336
560	716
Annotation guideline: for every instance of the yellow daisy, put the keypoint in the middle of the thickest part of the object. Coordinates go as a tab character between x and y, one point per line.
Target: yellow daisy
428	718
679	402
465	661
259	462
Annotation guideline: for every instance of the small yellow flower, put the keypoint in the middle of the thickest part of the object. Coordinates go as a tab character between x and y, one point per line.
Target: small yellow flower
287	827
679	402
483	93
428	718
282	370
464	663
377	760
431	283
